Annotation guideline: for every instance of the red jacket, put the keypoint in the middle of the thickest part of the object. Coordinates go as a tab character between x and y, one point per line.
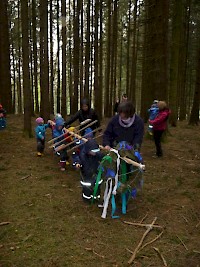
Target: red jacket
160	122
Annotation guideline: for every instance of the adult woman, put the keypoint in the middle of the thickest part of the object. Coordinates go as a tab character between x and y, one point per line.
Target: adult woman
160	125
125	126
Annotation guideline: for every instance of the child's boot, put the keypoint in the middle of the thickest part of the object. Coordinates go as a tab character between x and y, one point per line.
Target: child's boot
62	165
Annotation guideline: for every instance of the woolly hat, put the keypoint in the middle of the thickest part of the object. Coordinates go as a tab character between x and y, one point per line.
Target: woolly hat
85	101
39	120
91	145
88	133
60	122
57	116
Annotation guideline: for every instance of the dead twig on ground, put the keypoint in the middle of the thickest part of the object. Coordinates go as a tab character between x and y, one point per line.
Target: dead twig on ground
4	223
144	225
25	177
143	218
90	249
182	242
153	240
150	227
161	256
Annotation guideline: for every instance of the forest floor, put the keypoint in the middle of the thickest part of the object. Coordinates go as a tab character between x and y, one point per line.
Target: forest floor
48	224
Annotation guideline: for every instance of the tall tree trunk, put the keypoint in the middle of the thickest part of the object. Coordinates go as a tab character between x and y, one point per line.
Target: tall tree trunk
44	69
5	76
100	60
97	92
64	44
76	53
115	37
70	60
58	56
26	75
132	85
194	116
128	48
81	53
155	61
107	68
183	59
35	55
174	64
51	59
87	53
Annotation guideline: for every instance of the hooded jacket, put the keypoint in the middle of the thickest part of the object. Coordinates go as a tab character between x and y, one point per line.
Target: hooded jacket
116	133
160	122
82	115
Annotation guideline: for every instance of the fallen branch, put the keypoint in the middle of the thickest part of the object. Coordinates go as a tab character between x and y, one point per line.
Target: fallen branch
144	225
153	240
161	256
196	251
141	241
4	223
143	218
182	242
90	249
25	177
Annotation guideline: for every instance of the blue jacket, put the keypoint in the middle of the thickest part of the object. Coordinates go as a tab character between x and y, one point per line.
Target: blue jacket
89	163
40	131
153	112
115	133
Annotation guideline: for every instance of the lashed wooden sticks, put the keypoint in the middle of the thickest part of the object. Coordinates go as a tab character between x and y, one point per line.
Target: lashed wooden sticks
82	123
129	161
58	148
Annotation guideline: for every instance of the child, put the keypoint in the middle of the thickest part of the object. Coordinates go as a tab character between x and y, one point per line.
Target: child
160	125
2	118
40	131
57	131
88	160
153	112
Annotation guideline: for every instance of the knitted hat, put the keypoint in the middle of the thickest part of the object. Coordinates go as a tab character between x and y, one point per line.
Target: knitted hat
91	145
57	116
88	133
39	120
60	122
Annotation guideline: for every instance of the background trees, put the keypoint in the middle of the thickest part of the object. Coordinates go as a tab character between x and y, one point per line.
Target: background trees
100	49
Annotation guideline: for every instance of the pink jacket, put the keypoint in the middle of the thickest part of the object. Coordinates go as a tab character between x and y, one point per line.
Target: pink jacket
160	122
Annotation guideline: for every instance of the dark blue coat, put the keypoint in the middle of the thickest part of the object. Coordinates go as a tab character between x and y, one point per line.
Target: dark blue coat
116	133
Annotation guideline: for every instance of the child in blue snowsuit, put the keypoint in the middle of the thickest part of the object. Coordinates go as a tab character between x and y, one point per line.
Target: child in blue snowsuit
2	118
153	112
87	159
40	131
58	130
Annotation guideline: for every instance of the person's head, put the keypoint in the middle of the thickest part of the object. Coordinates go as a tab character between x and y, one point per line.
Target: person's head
1	106
85	104
88	133
126	110
162	105
57	116
124	98
59	123
91	147
39	121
